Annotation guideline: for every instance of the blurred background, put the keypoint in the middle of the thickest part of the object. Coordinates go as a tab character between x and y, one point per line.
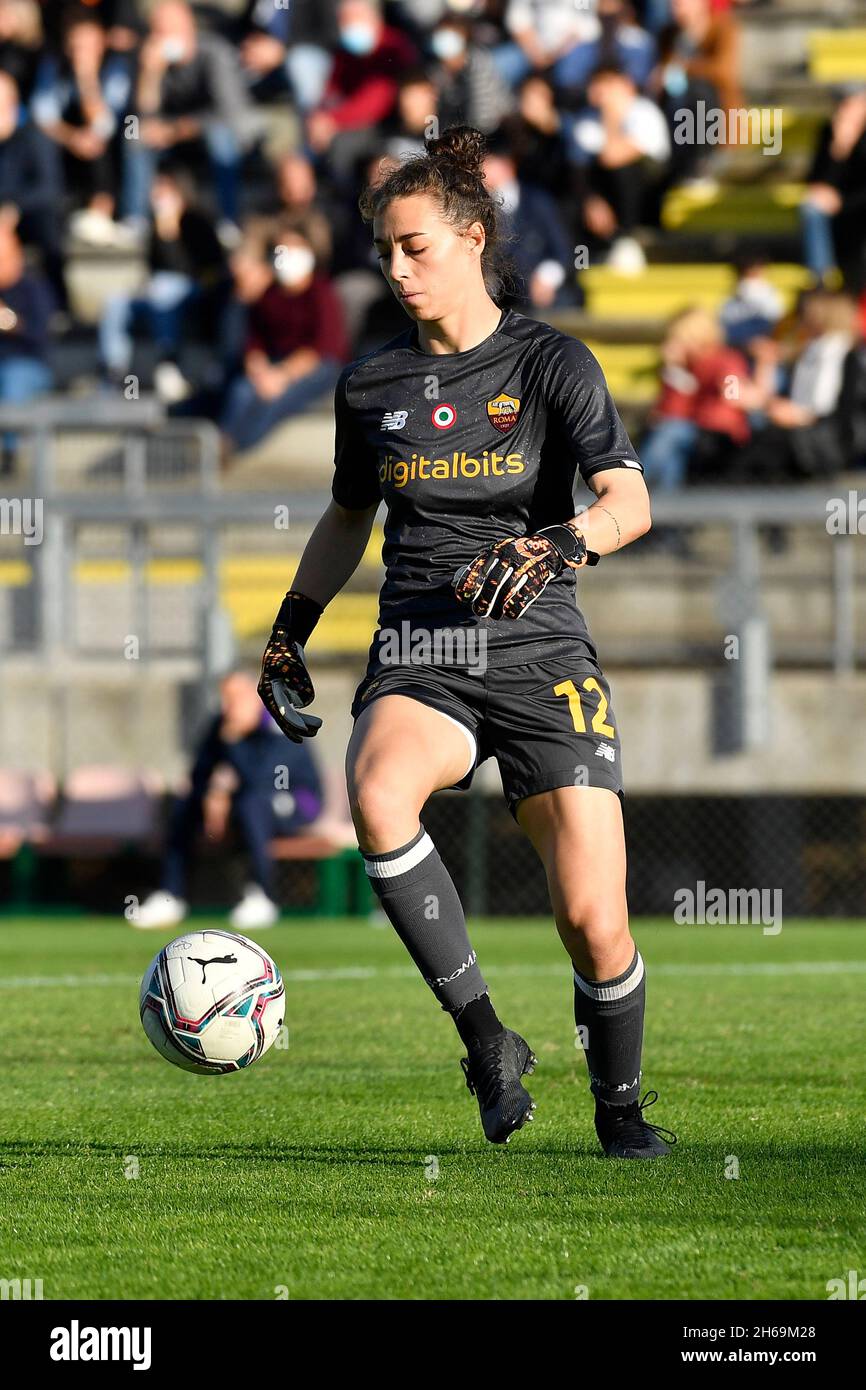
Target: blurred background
183	271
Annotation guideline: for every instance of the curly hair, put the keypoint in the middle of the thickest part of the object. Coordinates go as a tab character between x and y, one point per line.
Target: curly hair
450	172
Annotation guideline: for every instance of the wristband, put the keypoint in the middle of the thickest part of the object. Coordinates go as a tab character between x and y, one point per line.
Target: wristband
569	543
298	616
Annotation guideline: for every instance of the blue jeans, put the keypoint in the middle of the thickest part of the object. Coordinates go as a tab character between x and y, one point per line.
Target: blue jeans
511	62
161	305
307	70
247	418
576	66
140	164
665	453
819	253
254	817
22	378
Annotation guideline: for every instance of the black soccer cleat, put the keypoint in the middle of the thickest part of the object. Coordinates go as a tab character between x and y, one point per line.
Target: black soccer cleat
624	1133
493	1070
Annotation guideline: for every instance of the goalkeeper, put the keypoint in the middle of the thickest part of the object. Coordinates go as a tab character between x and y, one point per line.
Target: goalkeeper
470	425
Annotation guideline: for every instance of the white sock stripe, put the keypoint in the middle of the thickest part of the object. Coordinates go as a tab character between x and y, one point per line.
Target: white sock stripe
601	993
392	868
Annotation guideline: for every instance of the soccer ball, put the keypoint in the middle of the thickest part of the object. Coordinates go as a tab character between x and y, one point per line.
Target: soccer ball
212	1001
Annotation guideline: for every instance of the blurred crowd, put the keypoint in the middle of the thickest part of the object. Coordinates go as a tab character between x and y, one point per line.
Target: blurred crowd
227	144
752	395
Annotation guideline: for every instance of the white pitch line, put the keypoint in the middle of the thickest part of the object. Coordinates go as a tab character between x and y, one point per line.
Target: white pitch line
408	972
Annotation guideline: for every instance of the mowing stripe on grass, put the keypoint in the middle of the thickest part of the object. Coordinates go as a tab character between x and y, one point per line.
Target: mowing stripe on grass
408	972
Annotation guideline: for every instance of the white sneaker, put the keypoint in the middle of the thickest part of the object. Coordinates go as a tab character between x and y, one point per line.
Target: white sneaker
255	909
158	911
91	226
229	234
170	384
626	256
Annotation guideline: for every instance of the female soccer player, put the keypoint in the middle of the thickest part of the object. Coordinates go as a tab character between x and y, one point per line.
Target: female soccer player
470	425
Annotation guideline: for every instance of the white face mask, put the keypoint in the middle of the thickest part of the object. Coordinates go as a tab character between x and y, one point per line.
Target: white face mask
358	38
293	264
447	43
173	50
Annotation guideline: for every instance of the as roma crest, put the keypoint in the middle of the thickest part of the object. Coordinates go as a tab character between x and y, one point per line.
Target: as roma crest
503	412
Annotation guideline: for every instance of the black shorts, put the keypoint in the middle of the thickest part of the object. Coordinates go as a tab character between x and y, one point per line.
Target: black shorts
548	723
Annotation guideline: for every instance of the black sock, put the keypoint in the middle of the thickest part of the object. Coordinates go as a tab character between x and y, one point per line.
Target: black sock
610	1014
477	1019
418	895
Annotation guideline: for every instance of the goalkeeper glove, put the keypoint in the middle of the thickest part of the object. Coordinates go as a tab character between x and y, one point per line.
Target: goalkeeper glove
507	577
285	686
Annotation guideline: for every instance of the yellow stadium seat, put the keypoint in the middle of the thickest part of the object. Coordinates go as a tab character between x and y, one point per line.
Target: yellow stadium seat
837	55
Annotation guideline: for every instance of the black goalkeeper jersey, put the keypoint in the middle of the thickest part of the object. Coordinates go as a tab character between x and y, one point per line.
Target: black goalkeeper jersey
467	448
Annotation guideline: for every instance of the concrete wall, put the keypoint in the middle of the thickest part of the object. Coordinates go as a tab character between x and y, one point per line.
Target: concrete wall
145	717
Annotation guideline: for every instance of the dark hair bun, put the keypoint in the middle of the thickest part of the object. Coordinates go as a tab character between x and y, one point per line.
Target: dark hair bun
463	145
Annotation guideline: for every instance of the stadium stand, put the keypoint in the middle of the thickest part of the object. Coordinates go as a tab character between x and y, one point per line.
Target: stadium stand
158	526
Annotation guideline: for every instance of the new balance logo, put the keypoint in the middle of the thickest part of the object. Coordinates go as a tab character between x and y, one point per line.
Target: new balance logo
394	419
604	750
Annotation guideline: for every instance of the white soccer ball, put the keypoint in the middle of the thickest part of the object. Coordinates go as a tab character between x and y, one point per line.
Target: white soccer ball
212	1001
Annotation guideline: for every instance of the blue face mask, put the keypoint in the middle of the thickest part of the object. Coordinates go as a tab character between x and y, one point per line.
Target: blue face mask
447	43
358	38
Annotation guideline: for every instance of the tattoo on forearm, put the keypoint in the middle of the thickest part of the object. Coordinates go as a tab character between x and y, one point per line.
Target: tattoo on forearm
615	522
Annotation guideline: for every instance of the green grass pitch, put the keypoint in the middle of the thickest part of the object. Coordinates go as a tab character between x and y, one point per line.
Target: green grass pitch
351	1163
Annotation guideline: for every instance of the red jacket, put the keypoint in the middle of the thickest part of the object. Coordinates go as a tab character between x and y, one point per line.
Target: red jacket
362	88
710	406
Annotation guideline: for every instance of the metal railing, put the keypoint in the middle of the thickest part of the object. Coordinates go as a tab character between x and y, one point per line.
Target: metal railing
145	480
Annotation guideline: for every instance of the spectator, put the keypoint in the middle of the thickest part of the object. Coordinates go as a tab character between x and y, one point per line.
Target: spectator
615	40
25	310
828	330
832	211
79	103
31	184
299	200
542	251
417	105
470	89
419	17
810	430
755	307
699	412
188	93
535	135
288	45
699	72
123	22
296	339
244	745
186	263
361	91
372	313
21	41
543	36
620	145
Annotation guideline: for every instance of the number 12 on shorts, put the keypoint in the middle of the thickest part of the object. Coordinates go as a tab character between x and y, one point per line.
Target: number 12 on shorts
572	694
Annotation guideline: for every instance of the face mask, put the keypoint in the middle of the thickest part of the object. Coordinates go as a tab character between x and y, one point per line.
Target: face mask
676	80
447	43
358	38
173	50
294	264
